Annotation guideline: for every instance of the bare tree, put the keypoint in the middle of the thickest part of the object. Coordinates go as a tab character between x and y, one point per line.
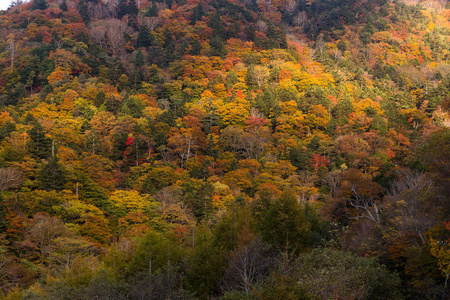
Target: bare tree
41	234
411	203
249	263
151	23
300	19
110	34
337	55
368	204
290	7
320	44
100	11
261	26
12	49
333	179
10	178
253	143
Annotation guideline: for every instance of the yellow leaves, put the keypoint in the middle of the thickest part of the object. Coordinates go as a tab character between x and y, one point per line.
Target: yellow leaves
289	108
67	61
66	155
363	104
207	103
165	14
415	117
282	168
441	251
234	113
306	193
221	188
46	111
152	112
381	36
200	67
123	202
288	85
222	202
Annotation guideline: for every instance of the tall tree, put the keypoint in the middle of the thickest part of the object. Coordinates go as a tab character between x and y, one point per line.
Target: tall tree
52	175
39	145
39	4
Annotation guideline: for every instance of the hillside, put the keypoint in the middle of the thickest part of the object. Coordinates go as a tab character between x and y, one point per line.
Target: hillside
225	149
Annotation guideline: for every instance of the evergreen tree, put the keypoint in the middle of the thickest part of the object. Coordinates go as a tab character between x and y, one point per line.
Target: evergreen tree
144	38
218	47
139	59
63	6
196	47
197	13
52	176
122	9
84	12
39	4
39	145
6	129
215	23
282	222
152	11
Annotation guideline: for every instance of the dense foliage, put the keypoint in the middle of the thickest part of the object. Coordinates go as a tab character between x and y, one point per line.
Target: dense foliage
186	149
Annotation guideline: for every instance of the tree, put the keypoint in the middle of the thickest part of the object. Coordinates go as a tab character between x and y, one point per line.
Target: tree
84	12
52	176
10	178
39	144
261	75
197	13
361	193
39	4
42	232
249	263
333	274
63	6
283	223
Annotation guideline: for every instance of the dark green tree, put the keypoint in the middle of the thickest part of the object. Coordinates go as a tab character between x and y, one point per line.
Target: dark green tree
39	145
152	11
39	4
84	12
144	38
63	6
282	222
52	175
6	129
197	13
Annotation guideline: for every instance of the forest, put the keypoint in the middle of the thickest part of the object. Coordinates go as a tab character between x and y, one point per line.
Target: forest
225	149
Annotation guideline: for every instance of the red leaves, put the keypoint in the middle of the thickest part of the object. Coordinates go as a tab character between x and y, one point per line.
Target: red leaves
129	141
319	161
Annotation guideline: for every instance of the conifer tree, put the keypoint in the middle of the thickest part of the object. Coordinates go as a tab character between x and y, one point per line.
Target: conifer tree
39	4
39	145
52	175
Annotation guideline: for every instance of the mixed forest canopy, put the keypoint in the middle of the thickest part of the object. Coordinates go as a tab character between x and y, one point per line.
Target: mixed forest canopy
225	149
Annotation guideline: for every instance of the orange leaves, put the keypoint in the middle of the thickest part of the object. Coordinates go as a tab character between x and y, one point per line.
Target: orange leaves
5	117
199	67
58	76
68	61
239	48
